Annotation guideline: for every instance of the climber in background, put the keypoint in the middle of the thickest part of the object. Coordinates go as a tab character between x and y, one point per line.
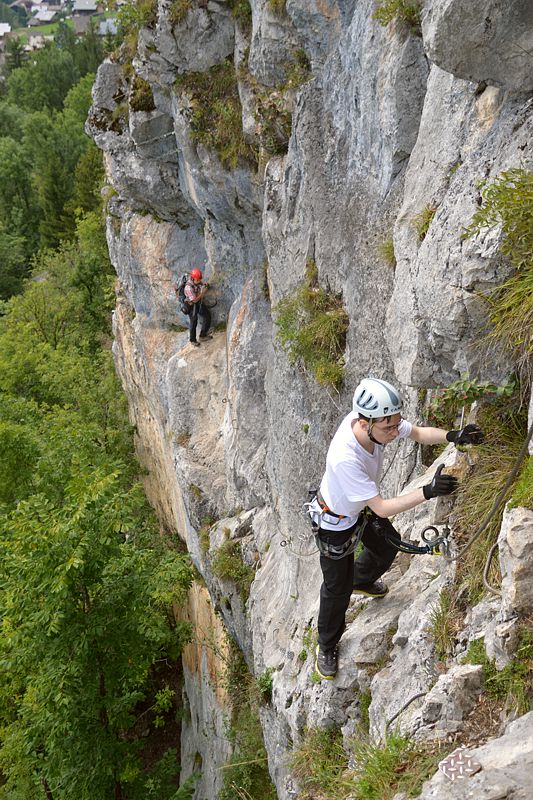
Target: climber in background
194	291
348	506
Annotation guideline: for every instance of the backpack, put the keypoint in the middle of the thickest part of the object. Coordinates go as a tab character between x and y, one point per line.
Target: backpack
185	306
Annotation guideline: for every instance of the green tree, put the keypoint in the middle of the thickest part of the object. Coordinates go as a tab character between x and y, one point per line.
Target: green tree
19	450
85	616
13	264
19	211
54	144
15	54
43	83
11	119
89	51
88	180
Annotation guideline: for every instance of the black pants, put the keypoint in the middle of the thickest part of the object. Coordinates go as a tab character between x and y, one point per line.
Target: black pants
199	310
340	577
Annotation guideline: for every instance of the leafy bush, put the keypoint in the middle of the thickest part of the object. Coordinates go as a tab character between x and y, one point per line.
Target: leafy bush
229	565
446	403
312	326
264	683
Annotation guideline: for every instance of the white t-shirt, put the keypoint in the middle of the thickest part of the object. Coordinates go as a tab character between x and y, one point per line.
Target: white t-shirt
352	474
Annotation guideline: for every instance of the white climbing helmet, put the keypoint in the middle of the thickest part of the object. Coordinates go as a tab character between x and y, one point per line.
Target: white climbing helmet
374	398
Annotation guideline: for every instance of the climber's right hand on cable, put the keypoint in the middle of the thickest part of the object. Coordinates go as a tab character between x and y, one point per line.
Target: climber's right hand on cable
440	485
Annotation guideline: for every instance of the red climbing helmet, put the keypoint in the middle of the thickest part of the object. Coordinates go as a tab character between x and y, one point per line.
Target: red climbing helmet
196	275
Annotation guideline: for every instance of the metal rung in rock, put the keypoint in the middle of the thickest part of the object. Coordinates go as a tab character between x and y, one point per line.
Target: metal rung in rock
459	765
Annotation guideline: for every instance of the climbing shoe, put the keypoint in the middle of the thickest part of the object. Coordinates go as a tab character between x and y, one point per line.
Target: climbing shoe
376	589
195	344
204	336
326	663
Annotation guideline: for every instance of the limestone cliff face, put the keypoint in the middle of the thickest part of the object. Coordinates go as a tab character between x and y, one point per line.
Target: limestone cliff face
389	124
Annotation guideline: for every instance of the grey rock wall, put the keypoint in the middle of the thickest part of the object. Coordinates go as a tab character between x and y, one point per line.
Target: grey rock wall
389	125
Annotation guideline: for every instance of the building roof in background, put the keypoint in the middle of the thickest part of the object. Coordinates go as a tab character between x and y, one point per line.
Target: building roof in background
5	27
44	15
84	5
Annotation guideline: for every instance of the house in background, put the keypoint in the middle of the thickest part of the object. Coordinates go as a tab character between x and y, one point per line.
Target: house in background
84	7
36	41
42	17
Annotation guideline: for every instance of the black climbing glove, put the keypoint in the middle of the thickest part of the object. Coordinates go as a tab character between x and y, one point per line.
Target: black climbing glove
471	434
440	485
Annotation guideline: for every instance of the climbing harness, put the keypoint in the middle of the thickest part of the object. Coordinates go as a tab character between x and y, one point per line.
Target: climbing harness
318	510
435	543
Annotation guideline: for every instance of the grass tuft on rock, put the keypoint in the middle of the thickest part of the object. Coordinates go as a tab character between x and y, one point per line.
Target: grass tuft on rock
312	327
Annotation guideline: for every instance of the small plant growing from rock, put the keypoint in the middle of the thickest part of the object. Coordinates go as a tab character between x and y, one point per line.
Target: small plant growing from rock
215	113
423	220
401	10
312	327
386	251
141	97
178	11
242	11
508	202
298	70
228	564
446	403
445	619
277	6
513	682
264	683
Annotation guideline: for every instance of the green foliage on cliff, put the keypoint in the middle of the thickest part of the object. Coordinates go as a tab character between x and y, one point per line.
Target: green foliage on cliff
407	11
320	764
242	11
423	220
178	11
504	425
312	326
215	112
507	202
514	682
142	98
228	564
246	774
